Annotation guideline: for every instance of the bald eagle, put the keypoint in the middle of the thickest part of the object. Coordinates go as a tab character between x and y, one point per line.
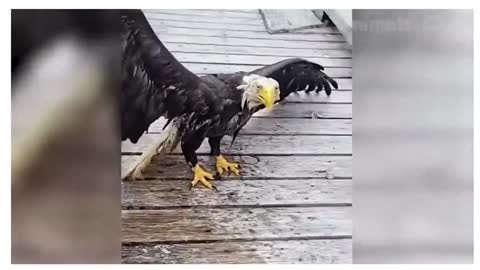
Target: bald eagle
155	84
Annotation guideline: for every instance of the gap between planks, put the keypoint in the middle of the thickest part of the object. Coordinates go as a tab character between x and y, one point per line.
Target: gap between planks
240	42
261	145
234	10
243	35
205	68
204	13
263	50
322	54
260	251
246	239
156	194
168	27
343	84
252	167
193	19
283	126
243	29
223	59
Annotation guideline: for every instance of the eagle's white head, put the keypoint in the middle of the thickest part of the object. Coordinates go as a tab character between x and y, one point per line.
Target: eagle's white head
259	91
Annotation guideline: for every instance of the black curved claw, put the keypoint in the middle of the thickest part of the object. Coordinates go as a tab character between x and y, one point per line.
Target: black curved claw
214	187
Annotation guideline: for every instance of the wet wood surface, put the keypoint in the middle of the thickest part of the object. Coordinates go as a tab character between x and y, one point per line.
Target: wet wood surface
217	224
162	193
283	126
205	68
280	251
253	166
251	60
292	202
263	145
248	35
256	51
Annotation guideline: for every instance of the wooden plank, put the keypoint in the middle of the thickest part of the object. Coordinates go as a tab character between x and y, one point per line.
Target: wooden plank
165	193
253	42
236	10
344	84
307	110
194	19
321	97
206	224
292	251
297	126
254	60
258	51
209	13
252	167
205	68
284	20
324	29
266	126
164	30
264	145
208	25
238	28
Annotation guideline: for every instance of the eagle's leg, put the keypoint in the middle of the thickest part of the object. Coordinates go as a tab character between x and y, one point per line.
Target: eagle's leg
189	147
221	163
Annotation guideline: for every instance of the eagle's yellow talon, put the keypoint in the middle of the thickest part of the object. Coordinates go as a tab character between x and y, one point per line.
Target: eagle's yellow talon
223	165
199	175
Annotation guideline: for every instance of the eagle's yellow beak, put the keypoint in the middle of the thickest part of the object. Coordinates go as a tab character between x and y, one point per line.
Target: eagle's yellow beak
267	96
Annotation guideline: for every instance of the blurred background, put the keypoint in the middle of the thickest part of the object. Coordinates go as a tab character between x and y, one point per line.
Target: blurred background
65	144
413	136
413	142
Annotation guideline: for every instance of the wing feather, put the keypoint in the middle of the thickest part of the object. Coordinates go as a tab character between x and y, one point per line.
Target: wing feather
296	74
154	83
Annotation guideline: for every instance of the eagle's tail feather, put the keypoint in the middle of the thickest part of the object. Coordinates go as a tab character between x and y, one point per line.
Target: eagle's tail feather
166	143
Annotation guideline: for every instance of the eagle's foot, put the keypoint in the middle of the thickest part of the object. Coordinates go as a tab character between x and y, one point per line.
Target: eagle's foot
223	165
199	175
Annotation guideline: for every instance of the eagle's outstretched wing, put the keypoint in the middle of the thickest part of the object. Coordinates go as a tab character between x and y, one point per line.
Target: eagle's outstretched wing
154	83
296	74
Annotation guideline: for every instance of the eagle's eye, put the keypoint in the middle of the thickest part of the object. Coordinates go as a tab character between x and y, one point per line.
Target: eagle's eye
259	86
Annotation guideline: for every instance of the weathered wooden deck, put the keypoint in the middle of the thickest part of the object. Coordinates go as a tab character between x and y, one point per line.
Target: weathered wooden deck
292	202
